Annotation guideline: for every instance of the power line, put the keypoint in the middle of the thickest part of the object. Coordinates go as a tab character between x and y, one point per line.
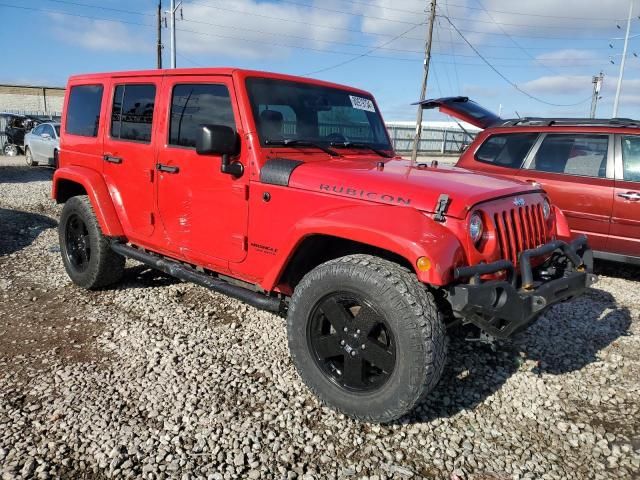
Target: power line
315	7
501	75
99	7
513	40
78	15
599	19
366	53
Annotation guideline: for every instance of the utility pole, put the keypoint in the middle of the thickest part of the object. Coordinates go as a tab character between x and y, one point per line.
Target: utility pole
597	86
624	57
159	62
172	26
423	90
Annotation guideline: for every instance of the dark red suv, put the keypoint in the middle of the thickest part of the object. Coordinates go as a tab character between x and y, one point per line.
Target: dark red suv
589	167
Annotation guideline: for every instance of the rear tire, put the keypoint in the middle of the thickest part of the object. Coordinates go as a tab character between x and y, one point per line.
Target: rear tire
366	337
28	156
86	254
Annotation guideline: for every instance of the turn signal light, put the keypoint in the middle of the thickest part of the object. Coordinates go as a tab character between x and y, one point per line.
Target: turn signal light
423	264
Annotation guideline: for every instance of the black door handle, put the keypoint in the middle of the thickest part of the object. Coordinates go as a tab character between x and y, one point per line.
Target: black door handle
167	168
112	159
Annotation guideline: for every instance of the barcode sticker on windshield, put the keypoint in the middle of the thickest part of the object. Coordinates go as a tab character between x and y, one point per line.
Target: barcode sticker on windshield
362	103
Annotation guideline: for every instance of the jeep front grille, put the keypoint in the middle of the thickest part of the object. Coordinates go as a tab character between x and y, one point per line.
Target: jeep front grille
519	229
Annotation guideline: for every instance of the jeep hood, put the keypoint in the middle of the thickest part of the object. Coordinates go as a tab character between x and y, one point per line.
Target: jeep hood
399	183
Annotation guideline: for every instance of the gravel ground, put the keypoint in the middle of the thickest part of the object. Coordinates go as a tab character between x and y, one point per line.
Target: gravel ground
161	379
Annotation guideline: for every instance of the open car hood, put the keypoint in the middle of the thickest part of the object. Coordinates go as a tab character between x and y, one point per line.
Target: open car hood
463	109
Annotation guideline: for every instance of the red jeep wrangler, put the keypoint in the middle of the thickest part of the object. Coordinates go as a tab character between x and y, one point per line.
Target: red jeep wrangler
285	192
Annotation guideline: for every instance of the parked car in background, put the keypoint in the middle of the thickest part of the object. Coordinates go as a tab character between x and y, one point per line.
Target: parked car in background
42	144
589	167
15	128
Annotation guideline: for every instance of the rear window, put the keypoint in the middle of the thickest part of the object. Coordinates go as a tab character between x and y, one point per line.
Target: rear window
83	110
132	112
573	154
631	158
506	150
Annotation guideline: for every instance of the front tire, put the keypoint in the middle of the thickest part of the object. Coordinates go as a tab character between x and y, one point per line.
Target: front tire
86	254
28	156
366	337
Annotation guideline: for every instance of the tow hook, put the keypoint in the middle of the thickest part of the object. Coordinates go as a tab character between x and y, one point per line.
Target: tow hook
485	339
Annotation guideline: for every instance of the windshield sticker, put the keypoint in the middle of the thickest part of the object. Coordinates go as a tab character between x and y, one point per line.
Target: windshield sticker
362	103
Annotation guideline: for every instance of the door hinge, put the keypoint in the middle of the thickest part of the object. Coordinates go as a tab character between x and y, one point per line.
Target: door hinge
242	190
240	240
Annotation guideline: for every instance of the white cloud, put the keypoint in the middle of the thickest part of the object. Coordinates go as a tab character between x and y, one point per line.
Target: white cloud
558	85
255	35
99	35
567	57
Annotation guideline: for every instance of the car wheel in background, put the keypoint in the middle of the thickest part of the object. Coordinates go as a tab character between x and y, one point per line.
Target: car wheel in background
10	150
28	156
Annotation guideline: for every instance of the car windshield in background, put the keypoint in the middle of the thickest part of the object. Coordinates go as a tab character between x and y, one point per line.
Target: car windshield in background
314	114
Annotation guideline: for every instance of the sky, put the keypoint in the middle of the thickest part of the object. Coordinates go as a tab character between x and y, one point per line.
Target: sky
524	58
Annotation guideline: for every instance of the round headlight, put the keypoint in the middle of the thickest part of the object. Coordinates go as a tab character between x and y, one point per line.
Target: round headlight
546	209
476	227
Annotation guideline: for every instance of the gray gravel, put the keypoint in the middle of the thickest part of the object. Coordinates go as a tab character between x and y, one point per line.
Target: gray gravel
161	379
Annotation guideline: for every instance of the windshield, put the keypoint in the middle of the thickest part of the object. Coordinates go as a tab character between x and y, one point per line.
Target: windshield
286	110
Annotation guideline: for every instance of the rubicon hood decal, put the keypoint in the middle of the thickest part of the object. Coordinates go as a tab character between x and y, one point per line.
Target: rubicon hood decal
365	194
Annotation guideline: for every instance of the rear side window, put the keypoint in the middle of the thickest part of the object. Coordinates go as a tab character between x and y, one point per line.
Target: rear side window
507	150
584	155
631	158
132	112
83	110
193	105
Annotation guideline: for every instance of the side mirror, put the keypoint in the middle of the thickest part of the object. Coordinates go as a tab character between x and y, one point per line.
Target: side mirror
220	140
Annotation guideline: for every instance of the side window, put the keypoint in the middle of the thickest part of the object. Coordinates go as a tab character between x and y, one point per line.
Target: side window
49	129
83	110
506	150
132	112
631	158
38	130
584	155
193	105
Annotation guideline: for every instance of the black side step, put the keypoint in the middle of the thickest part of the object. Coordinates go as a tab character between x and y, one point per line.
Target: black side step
188	274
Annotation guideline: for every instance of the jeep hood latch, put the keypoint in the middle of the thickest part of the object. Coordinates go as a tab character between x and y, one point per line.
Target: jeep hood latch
441	207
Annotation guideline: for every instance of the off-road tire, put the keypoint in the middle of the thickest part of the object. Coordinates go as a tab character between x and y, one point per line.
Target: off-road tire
104	266
407	306
28	156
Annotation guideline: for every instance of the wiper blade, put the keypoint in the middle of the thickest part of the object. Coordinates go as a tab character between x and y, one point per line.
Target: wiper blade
292	142
361	146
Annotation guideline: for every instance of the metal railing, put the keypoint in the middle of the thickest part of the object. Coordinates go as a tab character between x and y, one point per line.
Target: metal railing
433	139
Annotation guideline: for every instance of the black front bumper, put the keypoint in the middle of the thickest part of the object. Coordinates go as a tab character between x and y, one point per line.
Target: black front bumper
502	307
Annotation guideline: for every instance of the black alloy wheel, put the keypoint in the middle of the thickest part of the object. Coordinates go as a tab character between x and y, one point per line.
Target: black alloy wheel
78	247
351	342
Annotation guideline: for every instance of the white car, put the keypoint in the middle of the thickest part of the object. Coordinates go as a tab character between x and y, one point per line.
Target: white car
42	144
